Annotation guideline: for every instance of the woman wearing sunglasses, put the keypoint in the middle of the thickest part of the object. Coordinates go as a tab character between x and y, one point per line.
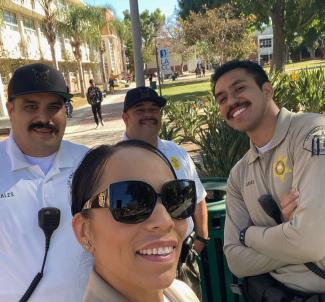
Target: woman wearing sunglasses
130	213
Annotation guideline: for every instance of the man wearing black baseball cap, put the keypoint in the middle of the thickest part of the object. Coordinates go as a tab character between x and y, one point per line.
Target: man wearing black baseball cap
141	114
142	118
36	169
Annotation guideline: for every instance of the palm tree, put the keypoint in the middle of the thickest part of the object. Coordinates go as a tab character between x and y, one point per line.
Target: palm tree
81	25
98	22
49	23
123	32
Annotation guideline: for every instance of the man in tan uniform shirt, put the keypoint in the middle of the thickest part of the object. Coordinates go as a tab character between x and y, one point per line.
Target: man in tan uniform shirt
287	154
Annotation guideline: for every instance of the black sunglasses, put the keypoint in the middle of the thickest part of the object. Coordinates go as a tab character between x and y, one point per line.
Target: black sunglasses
133	201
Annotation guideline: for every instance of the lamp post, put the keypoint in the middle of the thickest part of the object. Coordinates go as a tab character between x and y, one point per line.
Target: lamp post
138	59
158	67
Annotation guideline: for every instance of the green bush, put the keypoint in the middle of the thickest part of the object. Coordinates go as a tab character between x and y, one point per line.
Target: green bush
170	132
185	116
197	120
221	146
302	90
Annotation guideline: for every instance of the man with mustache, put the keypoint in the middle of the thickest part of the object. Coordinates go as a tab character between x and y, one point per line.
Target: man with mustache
142	118
270	235
36	170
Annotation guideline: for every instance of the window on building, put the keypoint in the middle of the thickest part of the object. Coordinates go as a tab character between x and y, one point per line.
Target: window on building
28	24
10	20
264	43
43	28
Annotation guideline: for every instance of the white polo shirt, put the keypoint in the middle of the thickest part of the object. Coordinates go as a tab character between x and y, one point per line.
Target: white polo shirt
24	190
184	168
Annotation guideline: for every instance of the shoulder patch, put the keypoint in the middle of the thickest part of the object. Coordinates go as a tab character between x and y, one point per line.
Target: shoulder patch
315	141
175	163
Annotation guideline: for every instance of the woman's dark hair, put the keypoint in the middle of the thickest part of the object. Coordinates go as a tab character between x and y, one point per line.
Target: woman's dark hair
89	172
252	68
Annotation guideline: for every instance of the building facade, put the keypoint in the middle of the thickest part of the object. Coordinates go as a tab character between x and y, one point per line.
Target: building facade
265	45
23	41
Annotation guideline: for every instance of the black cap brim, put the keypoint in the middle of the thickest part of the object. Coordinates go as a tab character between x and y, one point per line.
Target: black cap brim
160	101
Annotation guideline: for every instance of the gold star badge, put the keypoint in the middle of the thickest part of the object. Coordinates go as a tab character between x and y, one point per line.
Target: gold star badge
280	168
175	163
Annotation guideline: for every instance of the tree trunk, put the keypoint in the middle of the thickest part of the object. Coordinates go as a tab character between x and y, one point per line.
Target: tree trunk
81	76
322	47
53	54
277	16
102	67
123	58
311	51
182	65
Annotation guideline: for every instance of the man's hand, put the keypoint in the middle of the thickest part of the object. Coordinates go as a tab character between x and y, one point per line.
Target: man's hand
288	204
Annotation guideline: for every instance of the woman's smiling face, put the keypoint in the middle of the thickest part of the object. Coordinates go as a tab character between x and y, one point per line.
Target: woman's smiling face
136	256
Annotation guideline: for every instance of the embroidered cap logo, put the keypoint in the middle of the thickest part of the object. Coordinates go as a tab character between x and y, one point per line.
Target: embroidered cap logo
41	76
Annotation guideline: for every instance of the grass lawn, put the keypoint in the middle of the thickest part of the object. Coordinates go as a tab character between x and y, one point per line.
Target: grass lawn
78	101
200	87
190	87
304	64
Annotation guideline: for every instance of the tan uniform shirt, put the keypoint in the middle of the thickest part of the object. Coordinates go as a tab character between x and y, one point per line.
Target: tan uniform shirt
99	291
295	160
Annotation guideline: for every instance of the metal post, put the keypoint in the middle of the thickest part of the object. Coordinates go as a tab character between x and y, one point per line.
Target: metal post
3	108
136	38
158	68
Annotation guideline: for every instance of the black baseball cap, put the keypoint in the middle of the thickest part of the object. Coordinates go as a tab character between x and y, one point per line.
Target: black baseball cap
139	94
37	78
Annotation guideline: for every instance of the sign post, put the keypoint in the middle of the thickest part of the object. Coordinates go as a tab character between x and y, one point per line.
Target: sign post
164	61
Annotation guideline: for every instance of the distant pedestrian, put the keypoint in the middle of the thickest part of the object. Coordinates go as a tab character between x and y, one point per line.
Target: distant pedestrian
150	80
68	105
203	70
94	98
68	108
111	85
197	72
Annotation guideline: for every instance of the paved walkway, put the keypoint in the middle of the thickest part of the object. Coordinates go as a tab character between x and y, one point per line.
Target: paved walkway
82	128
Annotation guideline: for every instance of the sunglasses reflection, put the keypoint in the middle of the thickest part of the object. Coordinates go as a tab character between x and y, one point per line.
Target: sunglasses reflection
134	201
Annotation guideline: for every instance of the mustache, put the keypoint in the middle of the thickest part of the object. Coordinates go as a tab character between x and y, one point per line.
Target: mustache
149	119
40	125
234	106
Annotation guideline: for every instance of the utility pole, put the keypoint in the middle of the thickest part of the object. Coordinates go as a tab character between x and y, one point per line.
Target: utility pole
136	38
158	67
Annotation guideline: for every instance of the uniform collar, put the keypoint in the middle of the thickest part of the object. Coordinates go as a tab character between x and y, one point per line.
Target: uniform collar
98	290
19	161
160	145
281	129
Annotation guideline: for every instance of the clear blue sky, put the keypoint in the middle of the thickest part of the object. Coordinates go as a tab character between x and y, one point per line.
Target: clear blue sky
166	6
